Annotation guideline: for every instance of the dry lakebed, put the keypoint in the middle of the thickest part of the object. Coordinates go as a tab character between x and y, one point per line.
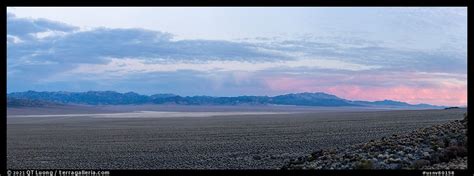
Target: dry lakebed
197	138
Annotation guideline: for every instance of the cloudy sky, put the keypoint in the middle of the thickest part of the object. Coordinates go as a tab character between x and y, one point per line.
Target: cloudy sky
415	55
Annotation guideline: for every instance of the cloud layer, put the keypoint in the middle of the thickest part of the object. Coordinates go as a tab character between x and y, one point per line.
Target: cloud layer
49	55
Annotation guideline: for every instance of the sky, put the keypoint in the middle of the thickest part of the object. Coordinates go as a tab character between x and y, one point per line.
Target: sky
414	55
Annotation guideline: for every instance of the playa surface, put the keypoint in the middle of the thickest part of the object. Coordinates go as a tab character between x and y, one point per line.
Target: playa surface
194	137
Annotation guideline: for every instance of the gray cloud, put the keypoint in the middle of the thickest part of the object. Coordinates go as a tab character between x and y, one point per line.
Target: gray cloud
369	53
95	45
35	59
22	27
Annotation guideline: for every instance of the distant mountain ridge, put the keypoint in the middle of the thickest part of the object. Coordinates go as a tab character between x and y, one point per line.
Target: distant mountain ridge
15	102
115	98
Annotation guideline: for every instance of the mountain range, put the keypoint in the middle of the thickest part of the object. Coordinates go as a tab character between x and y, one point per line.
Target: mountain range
34	98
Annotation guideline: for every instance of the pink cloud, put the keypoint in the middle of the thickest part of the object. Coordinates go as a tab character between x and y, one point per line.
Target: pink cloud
443	93
446	95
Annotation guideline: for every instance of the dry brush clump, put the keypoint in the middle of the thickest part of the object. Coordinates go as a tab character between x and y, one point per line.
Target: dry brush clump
418	149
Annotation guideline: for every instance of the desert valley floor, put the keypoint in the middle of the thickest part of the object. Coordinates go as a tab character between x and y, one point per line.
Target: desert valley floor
195	137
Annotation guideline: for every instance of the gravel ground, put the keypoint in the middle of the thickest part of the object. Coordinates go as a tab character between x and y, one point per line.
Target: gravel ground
228	142
457	163
442	146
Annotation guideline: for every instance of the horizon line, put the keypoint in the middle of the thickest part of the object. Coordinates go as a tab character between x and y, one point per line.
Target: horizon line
124	92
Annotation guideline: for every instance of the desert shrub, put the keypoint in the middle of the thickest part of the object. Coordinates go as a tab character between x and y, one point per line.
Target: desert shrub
453	142
464	141
452	152
446	141
457	151
435	158
420	163
364	164
443	157
317	153
297	161
434	147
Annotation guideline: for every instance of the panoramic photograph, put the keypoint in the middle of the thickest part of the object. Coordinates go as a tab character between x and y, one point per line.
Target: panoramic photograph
218	88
